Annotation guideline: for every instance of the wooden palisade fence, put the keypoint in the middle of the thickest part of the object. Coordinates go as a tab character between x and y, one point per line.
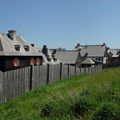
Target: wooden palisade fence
16	82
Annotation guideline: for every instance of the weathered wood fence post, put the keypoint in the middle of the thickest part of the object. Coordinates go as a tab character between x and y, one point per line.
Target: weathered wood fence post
60	71
75	71
31	78
1	87
48	68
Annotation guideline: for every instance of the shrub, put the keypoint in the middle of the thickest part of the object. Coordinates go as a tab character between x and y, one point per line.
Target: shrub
80	107
56	109
46	110
106	111
85	93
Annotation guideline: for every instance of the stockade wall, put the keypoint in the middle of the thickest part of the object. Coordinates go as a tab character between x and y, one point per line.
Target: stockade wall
16	82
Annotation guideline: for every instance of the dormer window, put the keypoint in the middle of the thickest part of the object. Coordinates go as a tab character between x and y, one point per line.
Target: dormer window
17	47
49	59
26	47
55	59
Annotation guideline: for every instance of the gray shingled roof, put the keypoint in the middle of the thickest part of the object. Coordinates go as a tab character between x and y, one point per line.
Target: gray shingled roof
50	56
7	46
93	50
88	61
114	52
68	56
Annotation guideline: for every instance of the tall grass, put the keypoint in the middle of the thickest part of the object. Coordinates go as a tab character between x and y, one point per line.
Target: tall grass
86	97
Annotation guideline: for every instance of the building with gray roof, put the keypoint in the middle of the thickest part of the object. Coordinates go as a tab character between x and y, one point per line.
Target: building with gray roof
97	53
114	55
15	45
114	52
15	52
49	56
71	57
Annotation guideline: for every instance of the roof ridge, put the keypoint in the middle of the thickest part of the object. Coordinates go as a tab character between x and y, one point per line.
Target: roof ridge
92	45
67	51
114	49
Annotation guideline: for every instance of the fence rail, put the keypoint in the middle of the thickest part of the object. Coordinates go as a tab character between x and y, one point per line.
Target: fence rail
16	82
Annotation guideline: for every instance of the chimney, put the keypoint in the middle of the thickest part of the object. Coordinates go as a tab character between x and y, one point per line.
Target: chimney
32	45
53	53
45	50
11	34
78	45
103	44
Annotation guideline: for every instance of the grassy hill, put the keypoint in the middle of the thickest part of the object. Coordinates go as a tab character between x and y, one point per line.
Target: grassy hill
85	97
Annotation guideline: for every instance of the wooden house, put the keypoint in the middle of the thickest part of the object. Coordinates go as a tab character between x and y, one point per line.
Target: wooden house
97	53
15	52
49	56
71	57
114	56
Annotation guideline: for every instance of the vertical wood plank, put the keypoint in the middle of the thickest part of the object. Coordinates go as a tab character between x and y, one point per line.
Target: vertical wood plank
1	84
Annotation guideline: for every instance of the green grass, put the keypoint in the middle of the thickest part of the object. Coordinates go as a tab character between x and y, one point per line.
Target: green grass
85	97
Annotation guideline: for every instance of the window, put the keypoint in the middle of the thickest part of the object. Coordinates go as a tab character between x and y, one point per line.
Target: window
32	61
26	47
16	62
55	59
17	47
38	61
49	59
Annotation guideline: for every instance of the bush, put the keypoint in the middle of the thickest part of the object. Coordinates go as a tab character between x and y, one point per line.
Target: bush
80	107
106	111
46	111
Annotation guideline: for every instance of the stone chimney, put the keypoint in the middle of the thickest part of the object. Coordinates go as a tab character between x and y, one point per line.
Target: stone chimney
53	53
33	45
11	34
103	44
77	46
45	50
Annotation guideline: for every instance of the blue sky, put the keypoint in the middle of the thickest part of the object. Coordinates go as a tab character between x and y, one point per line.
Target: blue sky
63	23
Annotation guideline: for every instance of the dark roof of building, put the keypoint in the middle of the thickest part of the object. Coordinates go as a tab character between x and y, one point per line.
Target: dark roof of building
68	56
8	46
93	50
